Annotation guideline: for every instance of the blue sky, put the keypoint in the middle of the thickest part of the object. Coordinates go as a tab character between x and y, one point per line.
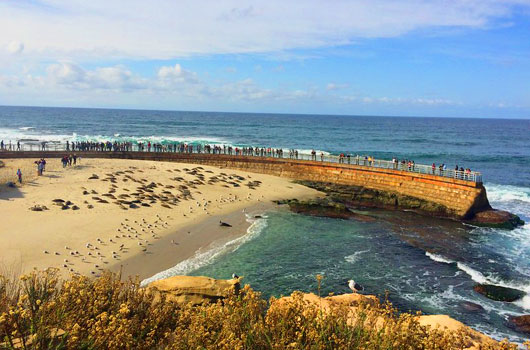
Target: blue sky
412	57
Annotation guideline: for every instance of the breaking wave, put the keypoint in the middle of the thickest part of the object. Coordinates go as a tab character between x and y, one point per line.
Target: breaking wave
203	258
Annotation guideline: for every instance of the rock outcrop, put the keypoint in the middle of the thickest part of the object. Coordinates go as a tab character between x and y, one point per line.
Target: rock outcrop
341	198
473	340
499	293
194	289
520	323
496	219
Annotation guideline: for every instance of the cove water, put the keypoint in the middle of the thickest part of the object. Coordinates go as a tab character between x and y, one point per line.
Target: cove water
423	263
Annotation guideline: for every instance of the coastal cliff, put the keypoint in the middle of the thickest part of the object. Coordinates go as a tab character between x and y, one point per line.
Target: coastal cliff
42	312
354	307
340	198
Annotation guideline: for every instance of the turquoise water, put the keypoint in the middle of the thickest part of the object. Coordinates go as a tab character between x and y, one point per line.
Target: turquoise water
424	263
386	256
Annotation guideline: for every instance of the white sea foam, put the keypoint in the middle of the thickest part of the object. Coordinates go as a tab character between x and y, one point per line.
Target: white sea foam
203	258
504	193
515	199
479	277
25	128
355	256
439	258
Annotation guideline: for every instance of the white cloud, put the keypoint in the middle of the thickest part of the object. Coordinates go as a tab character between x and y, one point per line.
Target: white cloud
119	78
335	86
164	29
170	72
15	47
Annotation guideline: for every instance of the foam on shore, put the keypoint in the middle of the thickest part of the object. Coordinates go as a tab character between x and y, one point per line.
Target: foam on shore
208	256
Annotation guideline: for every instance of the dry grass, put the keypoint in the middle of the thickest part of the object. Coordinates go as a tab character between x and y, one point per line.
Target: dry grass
42	312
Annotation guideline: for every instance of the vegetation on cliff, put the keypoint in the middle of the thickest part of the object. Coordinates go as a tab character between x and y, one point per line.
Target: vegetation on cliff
40	311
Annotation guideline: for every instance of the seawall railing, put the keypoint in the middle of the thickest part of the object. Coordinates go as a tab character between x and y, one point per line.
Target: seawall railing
465	175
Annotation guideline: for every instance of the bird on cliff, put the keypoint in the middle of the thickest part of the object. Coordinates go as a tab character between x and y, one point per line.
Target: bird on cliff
234	276
355	287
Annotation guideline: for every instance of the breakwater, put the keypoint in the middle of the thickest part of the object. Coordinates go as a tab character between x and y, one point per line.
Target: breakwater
461	199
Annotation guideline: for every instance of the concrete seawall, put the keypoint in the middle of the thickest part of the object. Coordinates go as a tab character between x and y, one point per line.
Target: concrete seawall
462	199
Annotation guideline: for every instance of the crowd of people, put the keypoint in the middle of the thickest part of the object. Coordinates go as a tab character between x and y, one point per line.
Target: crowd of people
181	147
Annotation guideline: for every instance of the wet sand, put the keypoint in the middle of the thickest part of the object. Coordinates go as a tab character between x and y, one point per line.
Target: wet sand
140	217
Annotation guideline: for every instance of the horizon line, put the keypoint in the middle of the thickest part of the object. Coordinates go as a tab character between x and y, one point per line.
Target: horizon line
267	113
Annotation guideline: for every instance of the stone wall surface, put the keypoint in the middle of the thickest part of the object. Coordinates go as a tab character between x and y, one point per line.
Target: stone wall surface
463	199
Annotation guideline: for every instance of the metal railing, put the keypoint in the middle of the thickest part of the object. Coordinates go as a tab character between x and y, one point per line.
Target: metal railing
358	160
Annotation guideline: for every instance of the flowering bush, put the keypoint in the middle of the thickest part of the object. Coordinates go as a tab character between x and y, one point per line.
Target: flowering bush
42	312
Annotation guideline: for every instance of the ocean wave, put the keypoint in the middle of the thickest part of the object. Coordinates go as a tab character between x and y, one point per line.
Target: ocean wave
439	258
202	258
355	256
8	134
505	193
479	277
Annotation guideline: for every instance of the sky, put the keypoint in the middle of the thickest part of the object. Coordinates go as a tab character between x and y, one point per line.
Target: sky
459	58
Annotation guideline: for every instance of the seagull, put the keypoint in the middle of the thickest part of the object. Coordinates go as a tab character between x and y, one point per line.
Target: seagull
234	276
355	287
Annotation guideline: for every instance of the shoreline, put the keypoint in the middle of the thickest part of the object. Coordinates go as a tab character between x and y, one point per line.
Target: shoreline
202	237
97	231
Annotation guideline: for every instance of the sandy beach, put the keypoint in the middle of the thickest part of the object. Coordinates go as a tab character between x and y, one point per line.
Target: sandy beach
140	217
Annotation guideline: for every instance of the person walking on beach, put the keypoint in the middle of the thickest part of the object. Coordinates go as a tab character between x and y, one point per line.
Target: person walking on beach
19	175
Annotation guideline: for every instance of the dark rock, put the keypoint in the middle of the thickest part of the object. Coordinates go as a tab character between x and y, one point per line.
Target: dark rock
471	307
498	293
324	207
68	203
86	192
496	219
75	207
90	206
145	205
58	200
65	207
133	206
520	323
361	197
93	177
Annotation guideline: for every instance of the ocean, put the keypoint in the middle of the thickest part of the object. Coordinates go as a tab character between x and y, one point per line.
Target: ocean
422	263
